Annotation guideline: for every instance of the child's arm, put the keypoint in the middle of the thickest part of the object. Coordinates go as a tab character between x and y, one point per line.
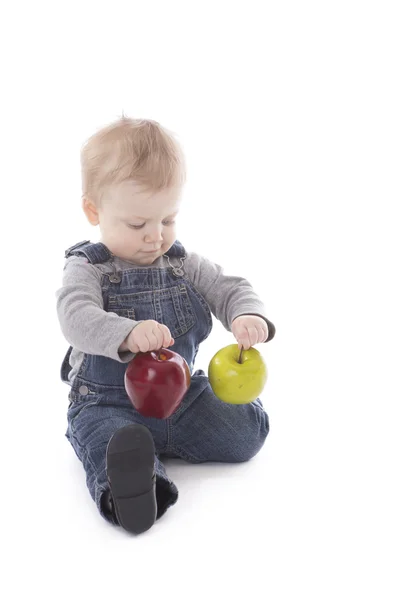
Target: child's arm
228	296
84	322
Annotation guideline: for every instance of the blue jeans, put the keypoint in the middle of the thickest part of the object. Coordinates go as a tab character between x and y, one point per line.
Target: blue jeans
202	429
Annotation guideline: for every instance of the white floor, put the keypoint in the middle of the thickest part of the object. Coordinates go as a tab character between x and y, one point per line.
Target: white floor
314	514
289	116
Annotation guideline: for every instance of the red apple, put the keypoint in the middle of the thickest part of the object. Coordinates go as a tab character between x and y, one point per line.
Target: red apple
156	382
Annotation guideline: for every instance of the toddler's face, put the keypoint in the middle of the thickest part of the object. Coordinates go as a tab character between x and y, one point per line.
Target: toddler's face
136	226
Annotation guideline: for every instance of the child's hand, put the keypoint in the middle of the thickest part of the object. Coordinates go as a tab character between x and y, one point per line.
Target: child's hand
149	335
249	330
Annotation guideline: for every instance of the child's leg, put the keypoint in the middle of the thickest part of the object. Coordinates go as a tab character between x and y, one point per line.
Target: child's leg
207	429
91	425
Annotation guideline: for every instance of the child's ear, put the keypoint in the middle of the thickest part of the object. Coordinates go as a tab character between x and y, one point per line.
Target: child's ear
90	210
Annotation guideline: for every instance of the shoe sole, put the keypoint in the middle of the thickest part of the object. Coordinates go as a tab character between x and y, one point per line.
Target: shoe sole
130	473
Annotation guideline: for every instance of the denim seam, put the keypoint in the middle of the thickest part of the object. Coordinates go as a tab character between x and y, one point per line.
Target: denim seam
87	455
201	299
185	455
98	486
103	386
85	405
168	444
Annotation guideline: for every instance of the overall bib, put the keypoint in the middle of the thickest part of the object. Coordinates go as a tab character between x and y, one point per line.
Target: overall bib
202	429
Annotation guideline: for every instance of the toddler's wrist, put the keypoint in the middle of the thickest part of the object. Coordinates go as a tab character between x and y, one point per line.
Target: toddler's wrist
124	346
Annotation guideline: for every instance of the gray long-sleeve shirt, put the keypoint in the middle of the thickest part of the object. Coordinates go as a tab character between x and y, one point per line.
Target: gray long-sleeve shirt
90	329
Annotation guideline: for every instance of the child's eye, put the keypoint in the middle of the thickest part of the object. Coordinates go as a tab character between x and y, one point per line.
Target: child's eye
141	226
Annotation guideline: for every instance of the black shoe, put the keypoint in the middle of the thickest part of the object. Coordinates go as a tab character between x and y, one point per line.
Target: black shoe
130	473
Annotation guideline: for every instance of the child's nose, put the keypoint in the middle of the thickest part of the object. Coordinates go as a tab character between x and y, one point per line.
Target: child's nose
154	236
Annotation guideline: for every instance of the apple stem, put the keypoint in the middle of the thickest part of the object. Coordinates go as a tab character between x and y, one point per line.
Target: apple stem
240	355
161	355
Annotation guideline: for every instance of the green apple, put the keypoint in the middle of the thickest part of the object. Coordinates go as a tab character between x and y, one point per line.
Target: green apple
237	382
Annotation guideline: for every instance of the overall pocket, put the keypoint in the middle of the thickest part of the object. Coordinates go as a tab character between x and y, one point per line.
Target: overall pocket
170	306
78	405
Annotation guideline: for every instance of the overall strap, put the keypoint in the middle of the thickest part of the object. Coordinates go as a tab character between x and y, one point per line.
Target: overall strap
176	250
95	253
99	253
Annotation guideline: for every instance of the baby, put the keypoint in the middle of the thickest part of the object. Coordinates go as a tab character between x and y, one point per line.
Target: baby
137	290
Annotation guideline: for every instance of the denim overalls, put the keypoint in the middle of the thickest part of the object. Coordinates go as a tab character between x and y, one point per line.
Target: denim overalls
203	428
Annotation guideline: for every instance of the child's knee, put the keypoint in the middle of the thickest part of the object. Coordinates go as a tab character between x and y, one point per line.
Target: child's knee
256	434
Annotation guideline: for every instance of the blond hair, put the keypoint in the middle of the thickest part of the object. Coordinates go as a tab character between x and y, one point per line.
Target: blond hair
131	150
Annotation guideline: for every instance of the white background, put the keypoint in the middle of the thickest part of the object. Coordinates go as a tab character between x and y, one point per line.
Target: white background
289	116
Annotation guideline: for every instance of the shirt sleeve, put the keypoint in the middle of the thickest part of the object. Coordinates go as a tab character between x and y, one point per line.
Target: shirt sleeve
80	310
228	296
